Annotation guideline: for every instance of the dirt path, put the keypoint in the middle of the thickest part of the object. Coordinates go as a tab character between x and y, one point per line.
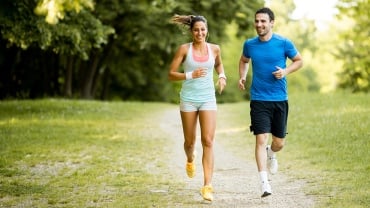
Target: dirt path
235	179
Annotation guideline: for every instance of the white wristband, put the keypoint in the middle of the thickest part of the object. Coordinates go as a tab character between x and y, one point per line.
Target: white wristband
222	75
189	75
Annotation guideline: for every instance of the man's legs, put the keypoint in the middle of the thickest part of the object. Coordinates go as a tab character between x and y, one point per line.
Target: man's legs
276	145
278	130
260	151
263	155
261	159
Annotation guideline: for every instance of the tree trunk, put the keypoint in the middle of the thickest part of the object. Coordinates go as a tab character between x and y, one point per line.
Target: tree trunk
91	69
68	76
105	84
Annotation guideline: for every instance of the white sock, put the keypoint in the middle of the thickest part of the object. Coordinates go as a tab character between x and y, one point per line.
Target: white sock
270	152
263	176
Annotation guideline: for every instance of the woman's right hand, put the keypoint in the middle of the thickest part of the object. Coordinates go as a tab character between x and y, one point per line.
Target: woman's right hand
199	72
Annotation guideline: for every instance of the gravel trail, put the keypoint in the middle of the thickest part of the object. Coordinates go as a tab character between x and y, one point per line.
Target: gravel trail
235	179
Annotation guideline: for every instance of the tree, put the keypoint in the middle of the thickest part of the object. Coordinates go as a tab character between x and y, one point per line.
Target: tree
146	41
354	47
121	49
76	36
56	9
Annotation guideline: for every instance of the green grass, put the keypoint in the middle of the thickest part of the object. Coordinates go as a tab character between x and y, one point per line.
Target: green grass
327	144
67	153
59	153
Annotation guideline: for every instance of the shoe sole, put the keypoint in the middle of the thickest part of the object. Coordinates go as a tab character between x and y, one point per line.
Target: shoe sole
266	194
207	199
210	198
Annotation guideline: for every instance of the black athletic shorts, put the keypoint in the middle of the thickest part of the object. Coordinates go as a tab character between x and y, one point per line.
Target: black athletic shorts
269	117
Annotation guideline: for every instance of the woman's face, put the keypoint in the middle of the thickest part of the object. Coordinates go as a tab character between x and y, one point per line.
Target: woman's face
199	31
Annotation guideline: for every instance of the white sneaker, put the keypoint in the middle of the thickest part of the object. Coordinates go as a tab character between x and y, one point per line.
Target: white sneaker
272	163
266	189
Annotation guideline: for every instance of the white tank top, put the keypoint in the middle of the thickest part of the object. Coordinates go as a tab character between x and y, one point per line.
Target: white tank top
199	89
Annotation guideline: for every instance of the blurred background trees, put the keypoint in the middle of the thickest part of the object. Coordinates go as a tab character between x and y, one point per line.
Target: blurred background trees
354	46
121	49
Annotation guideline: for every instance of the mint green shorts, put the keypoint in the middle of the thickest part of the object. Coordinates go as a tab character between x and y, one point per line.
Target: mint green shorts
197	106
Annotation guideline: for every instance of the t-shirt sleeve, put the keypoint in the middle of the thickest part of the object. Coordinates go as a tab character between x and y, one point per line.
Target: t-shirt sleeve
290	50
245	50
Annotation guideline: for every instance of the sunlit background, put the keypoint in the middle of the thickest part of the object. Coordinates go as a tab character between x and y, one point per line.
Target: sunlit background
321	11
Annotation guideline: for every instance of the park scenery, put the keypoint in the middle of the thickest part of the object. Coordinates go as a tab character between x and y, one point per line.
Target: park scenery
89	118
63	153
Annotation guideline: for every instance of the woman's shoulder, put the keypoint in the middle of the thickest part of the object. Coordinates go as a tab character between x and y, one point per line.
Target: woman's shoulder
214	47
185	45
183	49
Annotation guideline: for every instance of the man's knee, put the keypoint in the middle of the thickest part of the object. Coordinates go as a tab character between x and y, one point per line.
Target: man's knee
261	139
277	144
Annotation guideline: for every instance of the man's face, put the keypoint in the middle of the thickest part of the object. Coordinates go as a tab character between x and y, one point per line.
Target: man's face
263	24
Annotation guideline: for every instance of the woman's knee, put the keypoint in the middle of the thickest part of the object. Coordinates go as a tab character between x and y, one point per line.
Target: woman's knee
207	141
189	144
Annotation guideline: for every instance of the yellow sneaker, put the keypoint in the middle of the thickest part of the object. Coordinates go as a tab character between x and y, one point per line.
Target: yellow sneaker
190	169
206	192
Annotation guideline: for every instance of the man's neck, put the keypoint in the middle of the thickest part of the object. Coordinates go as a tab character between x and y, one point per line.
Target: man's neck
266	37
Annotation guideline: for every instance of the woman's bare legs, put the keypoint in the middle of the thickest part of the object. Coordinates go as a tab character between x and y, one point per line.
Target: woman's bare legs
189	124
207	120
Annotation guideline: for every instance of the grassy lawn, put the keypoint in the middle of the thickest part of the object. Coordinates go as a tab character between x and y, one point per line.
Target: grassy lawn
67	153
327	145
59	153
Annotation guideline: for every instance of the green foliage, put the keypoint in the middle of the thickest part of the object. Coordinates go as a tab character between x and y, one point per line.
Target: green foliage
146	42
55	9
231	52
354	47
77	34
121	49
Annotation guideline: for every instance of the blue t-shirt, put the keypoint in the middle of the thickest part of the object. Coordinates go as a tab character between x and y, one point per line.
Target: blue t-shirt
265	56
